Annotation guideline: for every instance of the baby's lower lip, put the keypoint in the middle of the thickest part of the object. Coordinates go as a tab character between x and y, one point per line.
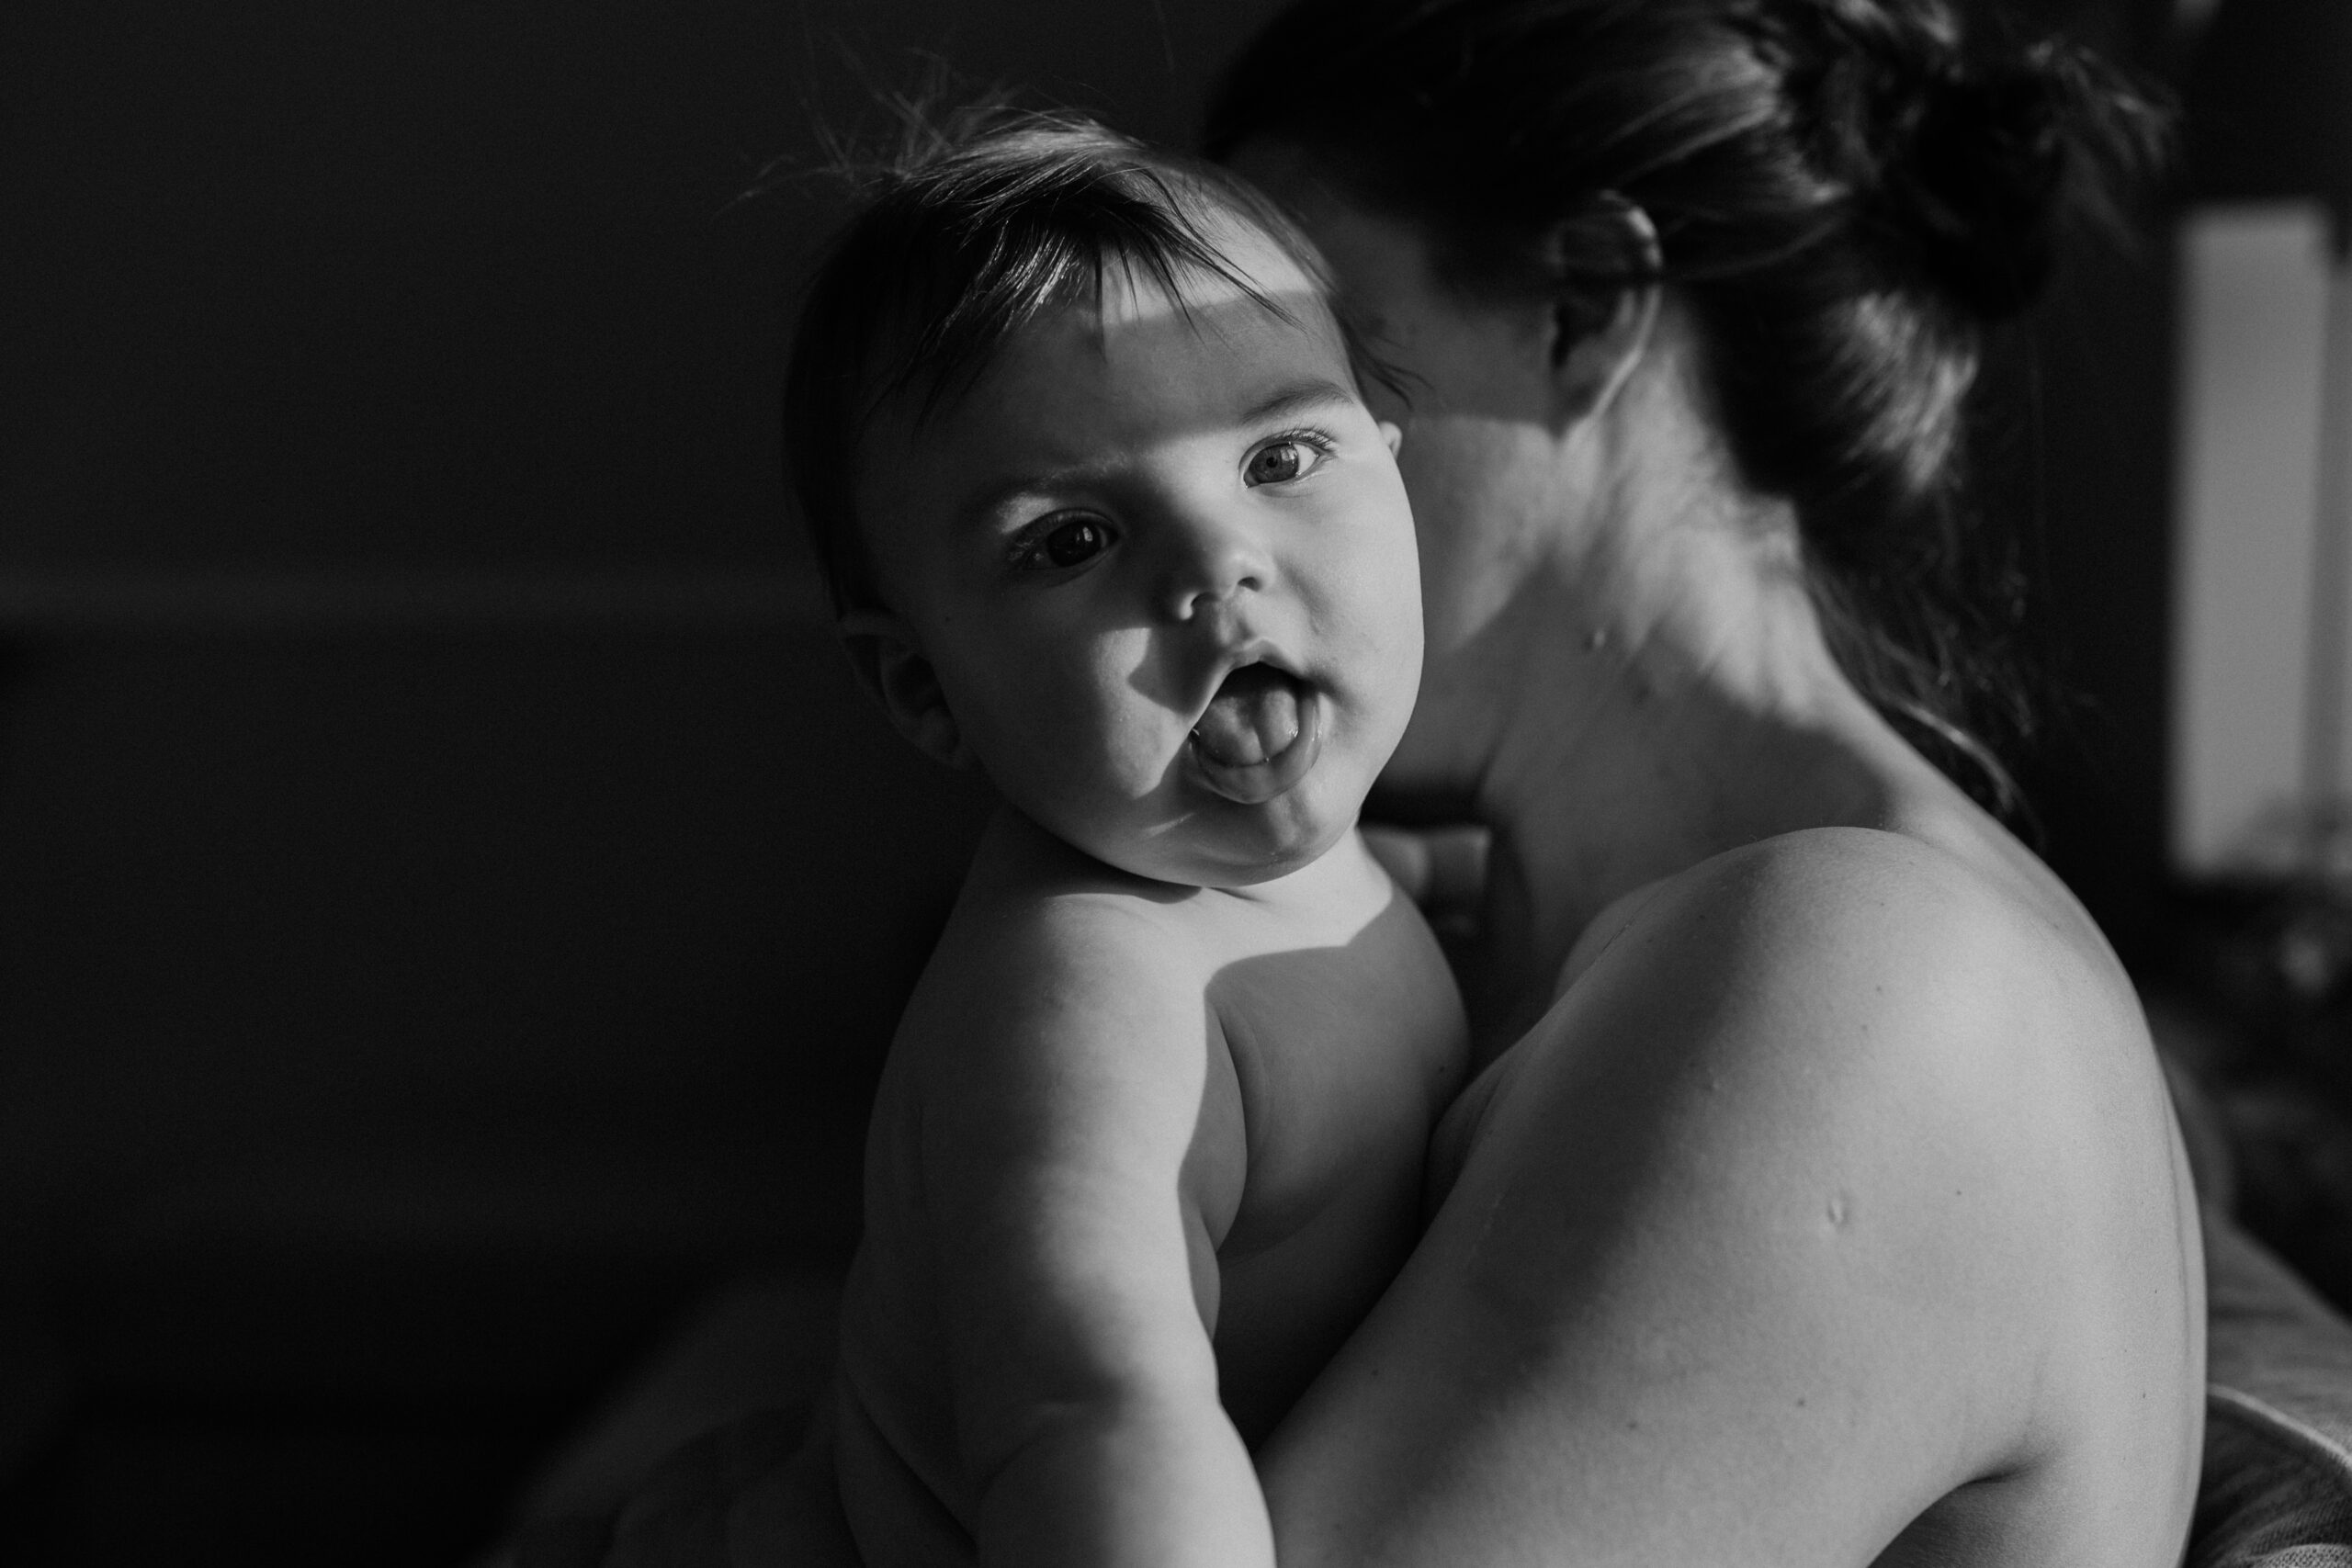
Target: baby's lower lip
1247	748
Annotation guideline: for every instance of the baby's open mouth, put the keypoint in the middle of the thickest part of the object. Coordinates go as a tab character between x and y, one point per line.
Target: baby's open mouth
1261	732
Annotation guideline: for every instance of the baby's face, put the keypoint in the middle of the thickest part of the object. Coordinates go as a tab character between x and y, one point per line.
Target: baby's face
1163	565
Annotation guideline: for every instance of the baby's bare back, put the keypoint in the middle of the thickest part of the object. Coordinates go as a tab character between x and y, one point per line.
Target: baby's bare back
1130	1132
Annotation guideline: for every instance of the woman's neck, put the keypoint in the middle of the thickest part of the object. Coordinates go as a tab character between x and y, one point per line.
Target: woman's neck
1641	704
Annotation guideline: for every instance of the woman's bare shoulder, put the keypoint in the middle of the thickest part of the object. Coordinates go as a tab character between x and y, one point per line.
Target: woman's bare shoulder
1845	1120
1924	1056
1844	1123
1846	962
1854	977
1883	929
1873	985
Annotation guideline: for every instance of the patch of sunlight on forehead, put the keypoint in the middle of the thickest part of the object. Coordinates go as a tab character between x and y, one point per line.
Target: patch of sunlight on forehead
1129	294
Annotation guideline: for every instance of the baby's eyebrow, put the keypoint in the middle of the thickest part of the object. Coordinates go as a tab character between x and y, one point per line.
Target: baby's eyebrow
982	507
1297	399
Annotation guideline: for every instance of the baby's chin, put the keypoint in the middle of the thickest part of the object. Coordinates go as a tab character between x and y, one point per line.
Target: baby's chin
1223	845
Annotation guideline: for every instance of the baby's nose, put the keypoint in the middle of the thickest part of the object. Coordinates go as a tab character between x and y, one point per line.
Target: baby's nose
1215	563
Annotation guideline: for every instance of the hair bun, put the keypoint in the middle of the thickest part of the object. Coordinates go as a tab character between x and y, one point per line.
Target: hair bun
2003	155
1982	176
1966	167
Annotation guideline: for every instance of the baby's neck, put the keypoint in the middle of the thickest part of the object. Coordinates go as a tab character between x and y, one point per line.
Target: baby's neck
1330	895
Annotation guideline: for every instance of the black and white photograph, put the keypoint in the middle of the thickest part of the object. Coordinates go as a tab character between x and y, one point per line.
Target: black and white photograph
1176	783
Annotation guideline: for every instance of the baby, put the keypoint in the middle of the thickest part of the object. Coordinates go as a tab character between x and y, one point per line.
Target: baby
1081	443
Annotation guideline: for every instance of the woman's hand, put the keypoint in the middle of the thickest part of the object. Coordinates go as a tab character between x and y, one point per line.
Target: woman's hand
1443	870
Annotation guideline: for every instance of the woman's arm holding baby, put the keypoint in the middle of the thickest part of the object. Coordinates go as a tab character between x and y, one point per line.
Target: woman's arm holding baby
1071	1201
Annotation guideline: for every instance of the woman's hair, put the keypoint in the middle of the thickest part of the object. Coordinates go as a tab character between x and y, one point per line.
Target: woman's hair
975	224
1846	192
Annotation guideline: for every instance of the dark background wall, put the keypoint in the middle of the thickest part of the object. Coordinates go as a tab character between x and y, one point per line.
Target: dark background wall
451	897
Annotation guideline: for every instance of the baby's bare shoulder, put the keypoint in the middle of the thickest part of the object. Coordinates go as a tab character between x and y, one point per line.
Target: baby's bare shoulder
1043	932
1051	965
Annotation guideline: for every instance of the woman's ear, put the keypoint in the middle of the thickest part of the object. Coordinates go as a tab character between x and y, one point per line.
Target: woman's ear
883	649
1596	342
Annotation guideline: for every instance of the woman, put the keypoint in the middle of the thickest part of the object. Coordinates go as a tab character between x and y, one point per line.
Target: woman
1829	1208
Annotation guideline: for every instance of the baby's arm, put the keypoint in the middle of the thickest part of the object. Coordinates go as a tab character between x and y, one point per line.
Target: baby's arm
1058	1115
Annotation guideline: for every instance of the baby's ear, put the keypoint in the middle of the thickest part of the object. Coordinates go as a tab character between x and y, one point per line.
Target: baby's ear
892	665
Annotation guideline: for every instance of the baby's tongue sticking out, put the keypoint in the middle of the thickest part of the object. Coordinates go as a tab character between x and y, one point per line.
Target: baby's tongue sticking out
1254	716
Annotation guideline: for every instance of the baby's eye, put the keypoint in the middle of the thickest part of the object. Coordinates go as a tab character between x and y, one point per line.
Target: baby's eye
1073	541
1283	460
